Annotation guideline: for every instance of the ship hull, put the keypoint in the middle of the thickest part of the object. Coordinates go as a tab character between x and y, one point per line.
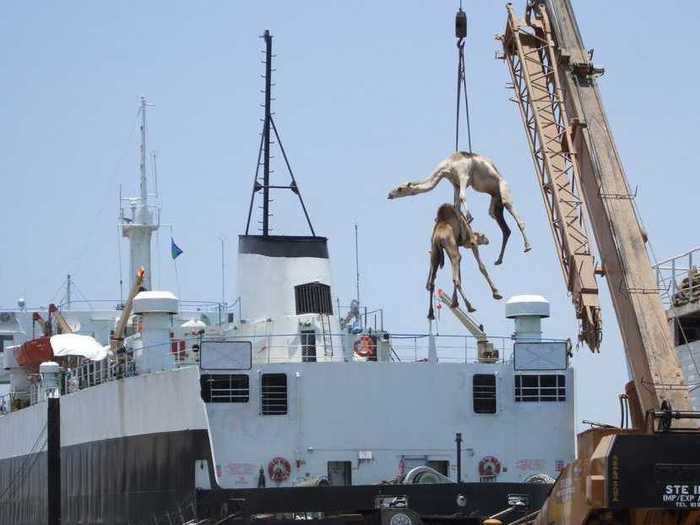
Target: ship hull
126	480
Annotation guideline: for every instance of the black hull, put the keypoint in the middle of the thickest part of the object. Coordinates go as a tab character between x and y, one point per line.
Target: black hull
149	479
119	481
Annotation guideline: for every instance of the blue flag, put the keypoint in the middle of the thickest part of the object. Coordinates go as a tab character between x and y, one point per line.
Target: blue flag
175	250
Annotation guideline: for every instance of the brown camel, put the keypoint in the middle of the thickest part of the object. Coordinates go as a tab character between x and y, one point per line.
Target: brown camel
452	231
469	169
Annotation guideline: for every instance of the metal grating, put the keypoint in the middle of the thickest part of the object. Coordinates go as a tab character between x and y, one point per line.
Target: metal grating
313	298
225	388
274	394
536	388
484	393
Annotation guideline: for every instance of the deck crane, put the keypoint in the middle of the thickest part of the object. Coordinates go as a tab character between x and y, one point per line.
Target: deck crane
118	336
485	351
649	474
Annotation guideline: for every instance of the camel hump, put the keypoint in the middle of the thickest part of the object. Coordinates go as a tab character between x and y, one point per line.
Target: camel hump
446	212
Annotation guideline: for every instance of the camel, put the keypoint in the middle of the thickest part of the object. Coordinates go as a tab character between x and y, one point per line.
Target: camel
469	169
452	231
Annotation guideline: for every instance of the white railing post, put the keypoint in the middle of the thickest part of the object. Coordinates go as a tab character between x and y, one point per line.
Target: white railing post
673	279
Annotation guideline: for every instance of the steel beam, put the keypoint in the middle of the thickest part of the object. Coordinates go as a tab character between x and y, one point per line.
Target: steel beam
531	61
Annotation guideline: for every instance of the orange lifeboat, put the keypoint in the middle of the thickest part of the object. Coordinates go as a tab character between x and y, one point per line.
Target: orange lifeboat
34	352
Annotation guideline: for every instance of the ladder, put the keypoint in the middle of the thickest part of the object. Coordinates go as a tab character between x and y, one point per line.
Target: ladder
326	335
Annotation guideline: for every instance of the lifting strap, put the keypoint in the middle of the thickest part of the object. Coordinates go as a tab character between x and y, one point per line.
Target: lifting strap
461	34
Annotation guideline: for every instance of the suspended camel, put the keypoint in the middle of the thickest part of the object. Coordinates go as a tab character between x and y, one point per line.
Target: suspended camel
469	169
450	233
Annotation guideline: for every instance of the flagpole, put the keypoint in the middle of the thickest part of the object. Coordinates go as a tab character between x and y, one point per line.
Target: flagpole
223	274
174	257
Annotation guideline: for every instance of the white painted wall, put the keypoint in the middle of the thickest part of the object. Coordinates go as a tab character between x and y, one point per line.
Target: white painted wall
266	284
394	410
161	402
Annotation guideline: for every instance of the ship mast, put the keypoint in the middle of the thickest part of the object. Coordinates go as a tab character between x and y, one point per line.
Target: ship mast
264	155
266	134
143	217
142	154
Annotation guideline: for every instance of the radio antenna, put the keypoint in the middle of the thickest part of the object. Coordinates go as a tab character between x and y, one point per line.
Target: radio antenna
357	265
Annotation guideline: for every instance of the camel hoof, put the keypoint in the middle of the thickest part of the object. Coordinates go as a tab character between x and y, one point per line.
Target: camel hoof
498	262
497	296
471	309
528	248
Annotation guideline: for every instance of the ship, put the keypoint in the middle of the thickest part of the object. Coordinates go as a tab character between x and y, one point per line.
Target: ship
280	401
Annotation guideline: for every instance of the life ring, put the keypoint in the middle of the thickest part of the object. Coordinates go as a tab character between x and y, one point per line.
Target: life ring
279	469
489	467
365	346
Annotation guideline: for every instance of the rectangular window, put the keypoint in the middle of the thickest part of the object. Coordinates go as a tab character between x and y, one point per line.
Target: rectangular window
484	393
274	394
5	340
313	298
540	388
339	473
308	346
443	467
225	388
687	328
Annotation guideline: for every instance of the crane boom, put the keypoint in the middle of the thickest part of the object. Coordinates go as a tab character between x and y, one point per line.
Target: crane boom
556	88
118	336
63	325
532	64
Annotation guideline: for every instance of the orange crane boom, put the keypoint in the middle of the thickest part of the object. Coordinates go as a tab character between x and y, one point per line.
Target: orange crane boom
646	475
118	335
573	148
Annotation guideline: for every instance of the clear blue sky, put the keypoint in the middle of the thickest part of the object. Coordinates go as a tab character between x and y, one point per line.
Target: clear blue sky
364	100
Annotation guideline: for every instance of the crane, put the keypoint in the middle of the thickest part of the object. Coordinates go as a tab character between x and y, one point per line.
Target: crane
63	325
647	474
579	168
118	336
485	350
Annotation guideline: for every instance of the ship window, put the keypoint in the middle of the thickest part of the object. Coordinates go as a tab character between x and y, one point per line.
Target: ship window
443	467
313	298
339	473
540	387
274	394
308	346
484	393
225	388
687	329
3	338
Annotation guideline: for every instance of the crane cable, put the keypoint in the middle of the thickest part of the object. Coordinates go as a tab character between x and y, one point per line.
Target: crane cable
461	34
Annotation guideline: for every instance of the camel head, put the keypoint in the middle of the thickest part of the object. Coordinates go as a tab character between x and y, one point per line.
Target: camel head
480	238
404	190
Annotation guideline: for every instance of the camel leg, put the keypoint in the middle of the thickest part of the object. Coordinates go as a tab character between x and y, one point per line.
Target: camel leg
431	313
507	201
461	205
430	285
505	230
485	273
455	260
470	308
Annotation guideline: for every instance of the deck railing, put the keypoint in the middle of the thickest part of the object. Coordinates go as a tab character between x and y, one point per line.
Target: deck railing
283	348
678	278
